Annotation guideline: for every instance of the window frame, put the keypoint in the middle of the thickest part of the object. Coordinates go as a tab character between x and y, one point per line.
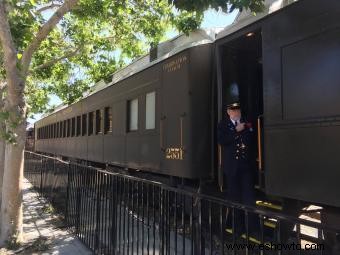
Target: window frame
154	111
90	130
99	121
129	114
84	124
108	122
73	126
78	125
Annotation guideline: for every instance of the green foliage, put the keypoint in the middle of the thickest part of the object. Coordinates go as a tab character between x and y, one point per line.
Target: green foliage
70	92
225	5
12	243
37	97
95	40
188	21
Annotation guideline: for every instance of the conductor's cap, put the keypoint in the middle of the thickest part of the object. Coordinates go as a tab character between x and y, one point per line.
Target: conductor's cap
234	106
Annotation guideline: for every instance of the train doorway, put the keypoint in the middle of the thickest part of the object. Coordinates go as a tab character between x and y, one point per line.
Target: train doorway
240	80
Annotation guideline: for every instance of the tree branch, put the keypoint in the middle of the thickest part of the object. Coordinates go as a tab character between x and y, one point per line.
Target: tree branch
53	61
14	81
66	7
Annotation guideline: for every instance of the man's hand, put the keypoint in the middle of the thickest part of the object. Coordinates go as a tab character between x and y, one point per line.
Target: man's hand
240	127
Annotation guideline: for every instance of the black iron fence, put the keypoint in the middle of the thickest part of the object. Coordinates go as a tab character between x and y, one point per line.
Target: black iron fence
118	214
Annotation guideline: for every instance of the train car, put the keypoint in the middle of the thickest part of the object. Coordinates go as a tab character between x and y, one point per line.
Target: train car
153	115
160	114
285	68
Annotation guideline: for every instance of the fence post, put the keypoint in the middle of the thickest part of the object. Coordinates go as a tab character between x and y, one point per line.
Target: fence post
198	229
114	211
97	187
67	194
41	175
78	199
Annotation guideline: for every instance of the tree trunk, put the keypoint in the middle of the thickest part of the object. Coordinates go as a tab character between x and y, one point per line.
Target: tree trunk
11	201
2	160
11	209
16	74
2	146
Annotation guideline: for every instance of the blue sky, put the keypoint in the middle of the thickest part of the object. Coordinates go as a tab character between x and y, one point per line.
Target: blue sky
211	19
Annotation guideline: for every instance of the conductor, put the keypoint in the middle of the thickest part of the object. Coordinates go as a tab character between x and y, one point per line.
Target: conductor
235	136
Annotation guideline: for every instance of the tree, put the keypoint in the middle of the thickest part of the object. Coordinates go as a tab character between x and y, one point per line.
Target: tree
64	46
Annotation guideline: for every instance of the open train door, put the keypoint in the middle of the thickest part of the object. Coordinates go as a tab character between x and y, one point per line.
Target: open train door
239	79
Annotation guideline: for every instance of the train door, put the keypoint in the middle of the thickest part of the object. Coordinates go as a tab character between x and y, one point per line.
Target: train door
174	137
239	71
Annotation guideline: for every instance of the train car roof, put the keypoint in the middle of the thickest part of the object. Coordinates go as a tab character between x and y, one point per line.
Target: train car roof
246	18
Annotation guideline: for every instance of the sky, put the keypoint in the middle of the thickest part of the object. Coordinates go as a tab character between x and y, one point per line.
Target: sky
212	18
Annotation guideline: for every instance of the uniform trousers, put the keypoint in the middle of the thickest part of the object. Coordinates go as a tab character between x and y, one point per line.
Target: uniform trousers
240	189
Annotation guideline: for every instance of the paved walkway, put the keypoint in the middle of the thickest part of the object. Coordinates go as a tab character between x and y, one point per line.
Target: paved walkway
43	231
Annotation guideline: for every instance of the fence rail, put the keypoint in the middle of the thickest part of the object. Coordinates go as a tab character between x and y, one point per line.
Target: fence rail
119	214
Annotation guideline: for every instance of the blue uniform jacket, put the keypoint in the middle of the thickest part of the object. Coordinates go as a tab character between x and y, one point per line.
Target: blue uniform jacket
237	147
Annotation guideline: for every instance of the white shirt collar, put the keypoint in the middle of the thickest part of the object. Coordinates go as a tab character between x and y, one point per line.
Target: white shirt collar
233	121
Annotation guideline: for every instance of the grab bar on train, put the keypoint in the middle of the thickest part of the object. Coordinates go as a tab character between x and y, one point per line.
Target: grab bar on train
161	142
259	142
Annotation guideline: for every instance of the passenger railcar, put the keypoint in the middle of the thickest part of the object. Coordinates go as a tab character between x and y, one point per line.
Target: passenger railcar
282	67
154	120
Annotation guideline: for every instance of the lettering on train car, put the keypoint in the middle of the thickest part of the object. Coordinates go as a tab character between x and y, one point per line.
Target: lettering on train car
174	153
175	64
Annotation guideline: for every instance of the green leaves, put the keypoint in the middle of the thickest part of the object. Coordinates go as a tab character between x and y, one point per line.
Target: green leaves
96	39
225	5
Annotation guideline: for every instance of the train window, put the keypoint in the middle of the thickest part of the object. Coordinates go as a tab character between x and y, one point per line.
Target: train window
107	120
91	122
60	130
84	125
133	115
73	126
54	130
98	122
68	127
64	128
150	110
78	126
